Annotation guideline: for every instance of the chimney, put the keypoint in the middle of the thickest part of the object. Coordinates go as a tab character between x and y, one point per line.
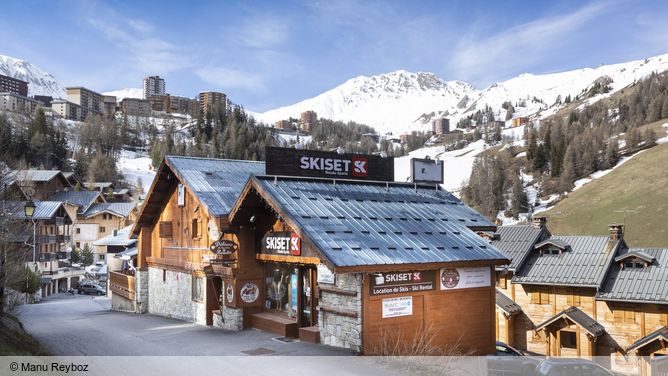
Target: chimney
616	231
538	222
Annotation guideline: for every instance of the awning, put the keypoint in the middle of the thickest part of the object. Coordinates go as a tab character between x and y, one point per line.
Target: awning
578	317
658	335
506	304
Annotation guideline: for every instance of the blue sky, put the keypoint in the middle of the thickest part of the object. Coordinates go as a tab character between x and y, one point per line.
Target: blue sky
266	54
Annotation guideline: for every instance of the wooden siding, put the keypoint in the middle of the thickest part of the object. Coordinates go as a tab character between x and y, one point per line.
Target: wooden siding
122	285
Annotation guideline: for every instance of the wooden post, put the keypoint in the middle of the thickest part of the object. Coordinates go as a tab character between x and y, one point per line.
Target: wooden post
144	246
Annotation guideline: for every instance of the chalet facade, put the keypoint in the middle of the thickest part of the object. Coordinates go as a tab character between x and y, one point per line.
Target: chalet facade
584	296
354	264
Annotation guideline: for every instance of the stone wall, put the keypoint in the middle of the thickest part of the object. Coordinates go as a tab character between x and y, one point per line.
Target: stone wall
141	290
119	303
230	319
339	330
173	296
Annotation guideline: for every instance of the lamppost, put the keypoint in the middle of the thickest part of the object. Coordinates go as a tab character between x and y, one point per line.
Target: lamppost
29	211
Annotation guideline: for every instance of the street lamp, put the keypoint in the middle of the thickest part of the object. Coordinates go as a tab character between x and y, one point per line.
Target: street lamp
29	211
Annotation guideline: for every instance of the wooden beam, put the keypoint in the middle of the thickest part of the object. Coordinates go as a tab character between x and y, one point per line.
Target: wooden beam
290	259
337	311
337	291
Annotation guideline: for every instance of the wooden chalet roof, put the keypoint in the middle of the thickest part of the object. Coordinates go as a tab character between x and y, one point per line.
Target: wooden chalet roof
517	241
82	199
580	318
506	304
638	285
355	224
657	335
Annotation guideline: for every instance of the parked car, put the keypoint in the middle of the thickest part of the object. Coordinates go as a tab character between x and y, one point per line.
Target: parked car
508	361
572	367
90	288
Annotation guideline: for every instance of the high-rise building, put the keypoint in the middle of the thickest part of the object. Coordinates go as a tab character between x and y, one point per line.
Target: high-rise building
307	120
89	100
66	109
440	126
153	85
109	105
135	107
283	124
209	99
13	85
18	103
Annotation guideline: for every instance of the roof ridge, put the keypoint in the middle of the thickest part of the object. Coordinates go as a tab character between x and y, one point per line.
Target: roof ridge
213	159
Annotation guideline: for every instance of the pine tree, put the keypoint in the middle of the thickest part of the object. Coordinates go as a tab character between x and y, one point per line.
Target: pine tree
519	200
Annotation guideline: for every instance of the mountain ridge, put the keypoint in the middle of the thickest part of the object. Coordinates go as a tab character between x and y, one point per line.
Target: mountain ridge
39	81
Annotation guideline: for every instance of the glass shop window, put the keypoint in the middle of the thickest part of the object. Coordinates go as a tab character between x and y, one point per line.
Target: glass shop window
281	289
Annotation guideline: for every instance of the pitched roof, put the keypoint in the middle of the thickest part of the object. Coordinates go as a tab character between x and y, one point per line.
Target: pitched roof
121	209
44	210
38	175
580	318
122	238
216	182
506	304
361	223
660	334
82	199
637	253
641	285
517	241
553	241
584	263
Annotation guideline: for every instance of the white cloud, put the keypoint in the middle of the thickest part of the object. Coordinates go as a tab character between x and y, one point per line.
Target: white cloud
263	32
226	78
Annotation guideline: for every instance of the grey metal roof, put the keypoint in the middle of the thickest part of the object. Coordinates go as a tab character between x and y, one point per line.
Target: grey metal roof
43	209
122	209
361	223
37	175
635	253
554	241
644	285
659	334
584	263
129	252
517	241
216	182
122	238
506	304
82	199
577	316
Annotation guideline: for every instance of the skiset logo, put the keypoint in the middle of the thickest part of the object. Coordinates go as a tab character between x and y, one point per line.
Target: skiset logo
355	166
360	166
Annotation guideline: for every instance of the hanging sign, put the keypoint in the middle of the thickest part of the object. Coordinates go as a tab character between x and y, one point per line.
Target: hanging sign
322	164
282	243
465	278
396	307
249	292
402	282
223	247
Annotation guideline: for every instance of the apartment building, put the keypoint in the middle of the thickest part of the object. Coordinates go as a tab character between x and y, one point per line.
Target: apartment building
91	102
136	107
100	220
17	103
13	85
307	120
42	182
440	126
66	109
283	124
109	105
173	104
153	85
209	99
44	99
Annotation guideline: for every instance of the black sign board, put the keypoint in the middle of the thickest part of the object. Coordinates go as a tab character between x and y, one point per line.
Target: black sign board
322	164
223	247
282	243
402	282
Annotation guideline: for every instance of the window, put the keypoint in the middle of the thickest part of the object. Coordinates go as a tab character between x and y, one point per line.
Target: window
624	316
78	232
573	299
164	275
568	339
501	281
196	228
78	245
540	297
166	229
102	229
633	264
197	289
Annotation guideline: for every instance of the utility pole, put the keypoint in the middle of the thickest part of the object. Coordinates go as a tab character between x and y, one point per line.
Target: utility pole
3	245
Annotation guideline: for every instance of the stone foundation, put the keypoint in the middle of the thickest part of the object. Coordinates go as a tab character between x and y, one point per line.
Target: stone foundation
119	303
338	330
141	289
230	319
173	296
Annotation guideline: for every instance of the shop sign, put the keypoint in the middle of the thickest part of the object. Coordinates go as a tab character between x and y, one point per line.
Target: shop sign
313	163
181	195
223	247
395	307
325	275
282	243
465	278
249	292
229	293
402	282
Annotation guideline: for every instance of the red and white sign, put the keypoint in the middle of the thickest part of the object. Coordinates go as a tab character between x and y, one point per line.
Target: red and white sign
360	166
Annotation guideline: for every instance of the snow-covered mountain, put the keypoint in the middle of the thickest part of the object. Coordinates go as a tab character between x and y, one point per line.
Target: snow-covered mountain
39	81
127	93
402	101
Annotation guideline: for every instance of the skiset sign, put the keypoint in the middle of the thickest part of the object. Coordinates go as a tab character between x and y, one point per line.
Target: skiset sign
282	243
312	163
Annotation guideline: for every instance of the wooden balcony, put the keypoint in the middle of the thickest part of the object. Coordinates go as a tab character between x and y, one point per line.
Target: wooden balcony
122	284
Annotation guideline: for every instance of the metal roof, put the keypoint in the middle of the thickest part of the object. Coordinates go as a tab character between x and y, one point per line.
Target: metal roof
362	223
580	318
644	285
122	209
37	175
660	334
44	210
517	241
82	199
584	263
506	304
216	182
637	254
122	238
553	241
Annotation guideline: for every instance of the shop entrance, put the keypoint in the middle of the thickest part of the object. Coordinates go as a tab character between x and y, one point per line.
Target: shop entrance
290	292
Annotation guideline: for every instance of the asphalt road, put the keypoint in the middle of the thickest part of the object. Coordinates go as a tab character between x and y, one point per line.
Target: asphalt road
85	325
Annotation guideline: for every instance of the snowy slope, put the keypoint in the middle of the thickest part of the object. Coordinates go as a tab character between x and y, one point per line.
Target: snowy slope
402	101
39	81
126	93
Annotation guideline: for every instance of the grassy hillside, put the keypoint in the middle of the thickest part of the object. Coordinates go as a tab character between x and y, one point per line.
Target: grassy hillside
635	193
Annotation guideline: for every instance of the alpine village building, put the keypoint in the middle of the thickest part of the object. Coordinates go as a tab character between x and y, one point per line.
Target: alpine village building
320	246
582	296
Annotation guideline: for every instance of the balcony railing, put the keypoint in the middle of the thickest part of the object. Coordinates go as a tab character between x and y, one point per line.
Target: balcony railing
52	239
122	284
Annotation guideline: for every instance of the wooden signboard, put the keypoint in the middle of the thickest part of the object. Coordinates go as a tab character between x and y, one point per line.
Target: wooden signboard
322	164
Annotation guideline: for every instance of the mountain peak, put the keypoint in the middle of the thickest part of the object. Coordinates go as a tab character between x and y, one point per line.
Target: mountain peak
39	81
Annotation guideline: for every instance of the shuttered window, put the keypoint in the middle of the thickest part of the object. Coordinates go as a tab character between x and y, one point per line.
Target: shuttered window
540	297
166	229
196	228
573	299
663	319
